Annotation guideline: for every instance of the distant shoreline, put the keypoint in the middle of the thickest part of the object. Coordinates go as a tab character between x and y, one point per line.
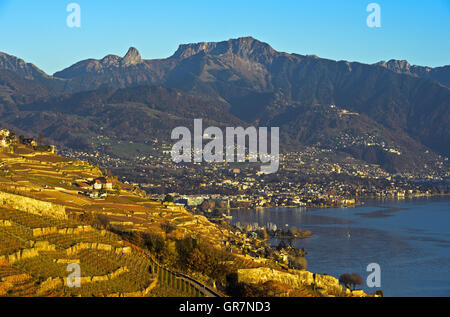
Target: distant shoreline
358	203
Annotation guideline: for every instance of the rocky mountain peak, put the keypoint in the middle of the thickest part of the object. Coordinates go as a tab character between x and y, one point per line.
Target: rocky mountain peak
111	60
246	47
403	67
398	66
132	57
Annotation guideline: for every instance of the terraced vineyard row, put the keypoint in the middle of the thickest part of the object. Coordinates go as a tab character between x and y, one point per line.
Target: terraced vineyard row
42	260
34	261
40	197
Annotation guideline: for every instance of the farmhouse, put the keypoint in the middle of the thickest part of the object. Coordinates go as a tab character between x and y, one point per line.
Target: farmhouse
102	183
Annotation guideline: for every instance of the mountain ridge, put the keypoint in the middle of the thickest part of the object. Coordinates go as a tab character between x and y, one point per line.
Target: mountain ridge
19	66
250	81
440	74
240	45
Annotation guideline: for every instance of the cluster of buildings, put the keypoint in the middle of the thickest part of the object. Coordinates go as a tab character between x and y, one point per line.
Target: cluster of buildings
8	138
95	187
313	177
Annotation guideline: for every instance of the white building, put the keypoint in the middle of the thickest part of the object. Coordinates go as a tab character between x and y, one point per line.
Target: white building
3	142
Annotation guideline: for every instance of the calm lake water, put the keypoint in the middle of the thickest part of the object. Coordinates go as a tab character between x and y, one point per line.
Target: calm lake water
409	239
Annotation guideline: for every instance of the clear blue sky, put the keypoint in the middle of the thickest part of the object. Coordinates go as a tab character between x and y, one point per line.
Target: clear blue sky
36	31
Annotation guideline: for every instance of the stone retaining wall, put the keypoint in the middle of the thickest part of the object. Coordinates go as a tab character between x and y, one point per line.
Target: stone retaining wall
53	283
293	279
32	206
28	253
97	246
37	232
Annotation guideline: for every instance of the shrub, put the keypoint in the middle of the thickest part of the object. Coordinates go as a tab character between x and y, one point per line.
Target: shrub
168	198
351	280
299	263
167	227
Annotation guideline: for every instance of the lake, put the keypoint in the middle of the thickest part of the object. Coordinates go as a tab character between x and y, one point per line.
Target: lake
409	239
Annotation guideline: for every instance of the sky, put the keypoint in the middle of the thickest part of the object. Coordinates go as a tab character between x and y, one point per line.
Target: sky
36	31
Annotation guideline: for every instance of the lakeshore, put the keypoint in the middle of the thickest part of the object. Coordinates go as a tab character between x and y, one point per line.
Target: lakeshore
409	238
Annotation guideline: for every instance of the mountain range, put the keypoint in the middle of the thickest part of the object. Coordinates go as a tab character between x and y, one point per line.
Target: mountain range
359	109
